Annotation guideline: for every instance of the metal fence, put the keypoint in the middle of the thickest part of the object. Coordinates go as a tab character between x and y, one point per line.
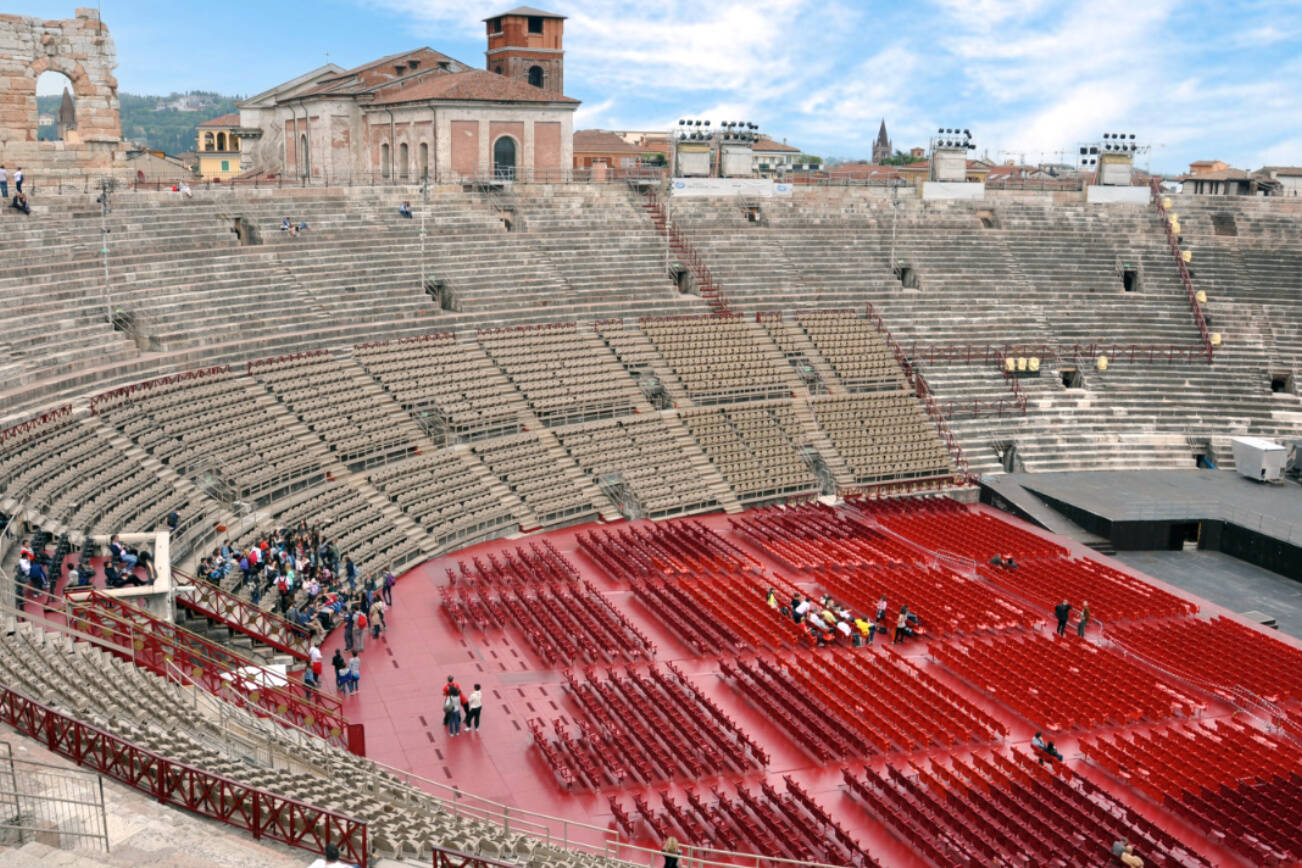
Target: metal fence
56	806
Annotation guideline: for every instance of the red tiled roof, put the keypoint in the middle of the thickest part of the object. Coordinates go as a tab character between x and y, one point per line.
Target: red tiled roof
601	142
766	144
230	120
473	84
1219	175
369	76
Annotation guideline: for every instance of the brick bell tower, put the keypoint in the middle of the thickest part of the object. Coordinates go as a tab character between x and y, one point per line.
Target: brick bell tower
526	44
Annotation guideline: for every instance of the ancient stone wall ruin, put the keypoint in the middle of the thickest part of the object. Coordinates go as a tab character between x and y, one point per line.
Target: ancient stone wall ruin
81	49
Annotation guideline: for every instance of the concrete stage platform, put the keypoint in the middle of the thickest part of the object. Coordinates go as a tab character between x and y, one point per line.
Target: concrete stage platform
403	673
1118	496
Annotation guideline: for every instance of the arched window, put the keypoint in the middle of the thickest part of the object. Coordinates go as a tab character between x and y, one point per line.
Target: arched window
402	161
498	69
384	161
208	141
305	158
424	161
221	141
536	76
504	158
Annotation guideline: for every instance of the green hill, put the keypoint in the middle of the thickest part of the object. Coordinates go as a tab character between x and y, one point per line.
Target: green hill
153	121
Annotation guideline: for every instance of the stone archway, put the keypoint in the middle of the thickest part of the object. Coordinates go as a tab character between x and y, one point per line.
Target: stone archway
81	49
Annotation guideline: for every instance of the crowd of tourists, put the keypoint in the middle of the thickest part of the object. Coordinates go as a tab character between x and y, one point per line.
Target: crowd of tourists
828	622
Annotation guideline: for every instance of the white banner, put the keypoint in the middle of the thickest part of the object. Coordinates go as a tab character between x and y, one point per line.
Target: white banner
764	188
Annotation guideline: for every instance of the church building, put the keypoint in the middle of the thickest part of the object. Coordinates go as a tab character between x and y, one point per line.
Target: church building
422	115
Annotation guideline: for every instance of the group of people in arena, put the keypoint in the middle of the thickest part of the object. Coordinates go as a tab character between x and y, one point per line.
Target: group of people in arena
318	590
828	622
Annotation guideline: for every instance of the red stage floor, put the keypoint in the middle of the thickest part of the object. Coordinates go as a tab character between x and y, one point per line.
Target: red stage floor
403	674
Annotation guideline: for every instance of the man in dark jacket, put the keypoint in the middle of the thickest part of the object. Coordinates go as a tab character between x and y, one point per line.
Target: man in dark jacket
1063	612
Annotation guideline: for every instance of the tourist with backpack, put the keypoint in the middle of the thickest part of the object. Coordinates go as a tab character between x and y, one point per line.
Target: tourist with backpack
387	591
452	710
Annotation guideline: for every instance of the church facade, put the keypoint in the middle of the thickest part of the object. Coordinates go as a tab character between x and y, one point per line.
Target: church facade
421	115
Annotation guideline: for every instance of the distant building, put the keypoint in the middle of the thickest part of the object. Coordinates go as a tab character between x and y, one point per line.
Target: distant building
882	149
1204	167
67	117
218	143
1289	178
420	114
604	148
1227	181
147	165
918	153
773	158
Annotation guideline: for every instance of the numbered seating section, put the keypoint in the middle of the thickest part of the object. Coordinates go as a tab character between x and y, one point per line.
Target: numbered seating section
996	808
534	475
537	591
1113	596
882	436
945	525
814	536
857	702
445	385
754	447
1221	654
444	494
1065	683
719	358
1230	781
855	350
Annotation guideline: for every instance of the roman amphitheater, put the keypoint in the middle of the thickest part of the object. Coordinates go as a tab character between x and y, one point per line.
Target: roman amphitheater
588	426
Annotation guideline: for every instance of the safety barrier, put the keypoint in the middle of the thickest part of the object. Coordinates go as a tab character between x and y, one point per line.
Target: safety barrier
206	599
1173	242
706	285
152	643
261	813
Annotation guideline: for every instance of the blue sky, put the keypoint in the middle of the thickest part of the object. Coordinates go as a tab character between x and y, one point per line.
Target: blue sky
1030	78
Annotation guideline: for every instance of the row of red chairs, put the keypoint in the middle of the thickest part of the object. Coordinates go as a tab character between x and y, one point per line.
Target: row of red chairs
946	603
645	727
664	549
1240	784
1221	654
539	562
994	809
788	824
944	525
563	621
812	536
821	701
1113	595
1064	682
718	613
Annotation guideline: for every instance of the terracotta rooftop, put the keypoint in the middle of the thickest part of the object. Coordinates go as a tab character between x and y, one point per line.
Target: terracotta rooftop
230	120
767	144
472	84
602	142
1219	175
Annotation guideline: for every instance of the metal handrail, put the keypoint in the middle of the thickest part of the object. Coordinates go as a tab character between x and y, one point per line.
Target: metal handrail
212	601
1174	243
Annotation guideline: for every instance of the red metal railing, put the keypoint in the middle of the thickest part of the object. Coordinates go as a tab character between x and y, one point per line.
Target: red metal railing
259	812
1174	243
152	643
923	392
244	617
1019	396
448	858
710	289
35	423
127	391
900	488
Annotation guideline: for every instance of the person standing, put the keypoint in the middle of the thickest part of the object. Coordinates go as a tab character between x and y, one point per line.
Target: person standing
1062	611
331	859
18	179
474	707
389	581
377	618
359	634
4	182
341	671
1084	619
354	672
900	624
881	609
671	852
348	628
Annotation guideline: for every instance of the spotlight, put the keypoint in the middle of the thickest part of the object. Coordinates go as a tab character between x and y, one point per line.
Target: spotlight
941	131
1132	135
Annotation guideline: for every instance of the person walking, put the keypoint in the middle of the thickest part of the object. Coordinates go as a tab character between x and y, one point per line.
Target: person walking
1062	611
359	634
377	618
389	581
348	629
474	707
1084	619
452	710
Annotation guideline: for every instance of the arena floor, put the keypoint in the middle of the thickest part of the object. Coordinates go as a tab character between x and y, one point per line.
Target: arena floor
400	704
